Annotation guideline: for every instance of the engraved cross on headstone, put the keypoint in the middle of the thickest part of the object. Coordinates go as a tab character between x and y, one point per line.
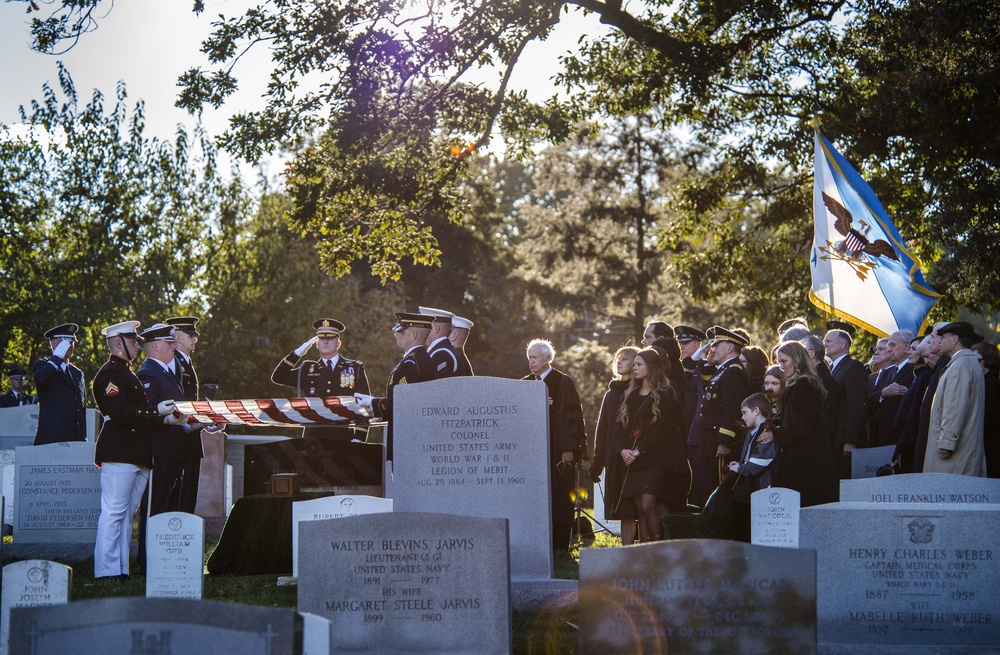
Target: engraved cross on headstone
32	635
269	636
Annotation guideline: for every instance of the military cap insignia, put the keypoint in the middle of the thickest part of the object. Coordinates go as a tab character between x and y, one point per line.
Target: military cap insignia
325	323
112	389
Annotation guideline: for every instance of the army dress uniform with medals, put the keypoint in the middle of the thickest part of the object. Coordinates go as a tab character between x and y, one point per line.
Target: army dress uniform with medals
415	366
323	378
123	453
720	419
62	412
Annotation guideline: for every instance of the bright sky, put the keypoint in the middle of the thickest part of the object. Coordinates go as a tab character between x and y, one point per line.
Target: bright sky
149	43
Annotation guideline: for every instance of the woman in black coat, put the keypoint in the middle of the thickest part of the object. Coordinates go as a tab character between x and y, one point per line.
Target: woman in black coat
805	463
607	460
649	437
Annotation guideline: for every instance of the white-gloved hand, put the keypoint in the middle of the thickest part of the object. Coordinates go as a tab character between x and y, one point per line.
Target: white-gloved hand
166	407
175	419
363	400
700	353
62	348
301	350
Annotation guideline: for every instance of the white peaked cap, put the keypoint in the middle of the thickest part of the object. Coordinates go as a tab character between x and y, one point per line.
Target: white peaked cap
125	328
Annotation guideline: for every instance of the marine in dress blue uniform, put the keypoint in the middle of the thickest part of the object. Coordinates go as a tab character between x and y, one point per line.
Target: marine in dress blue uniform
124	447
62	412
331	375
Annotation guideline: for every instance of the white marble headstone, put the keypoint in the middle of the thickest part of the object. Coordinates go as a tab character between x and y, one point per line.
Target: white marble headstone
32	583
331	507
774	517
175	555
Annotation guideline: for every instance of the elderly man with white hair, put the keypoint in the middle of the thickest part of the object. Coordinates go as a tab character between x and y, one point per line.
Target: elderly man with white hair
566	435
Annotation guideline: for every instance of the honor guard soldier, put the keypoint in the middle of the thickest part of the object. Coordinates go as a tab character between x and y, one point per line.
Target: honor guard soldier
124	451
16	396
185	339
62	412
720	418
443	355
459	335
330	375
410	332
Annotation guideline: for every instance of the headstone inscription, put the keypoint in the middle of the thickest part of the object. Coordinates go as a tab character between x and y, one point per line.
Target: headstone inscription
697	596
921	488
322	465
57	494
154	625
478	447
175	555
331	507
915	578
774	517
866	462
32	583
408	582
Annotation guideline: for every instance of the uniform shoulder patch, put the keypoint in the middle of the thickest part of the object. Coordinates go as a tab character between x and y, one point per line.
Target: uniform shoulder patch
112	389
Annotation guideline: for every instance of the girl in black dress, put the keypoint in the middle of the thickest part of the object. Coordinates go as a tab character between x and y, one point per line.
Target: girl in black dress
606	459
649	440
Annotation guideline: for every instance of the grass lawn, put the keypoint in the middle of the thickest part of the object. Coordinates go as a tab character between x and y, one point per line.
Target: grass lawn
534	632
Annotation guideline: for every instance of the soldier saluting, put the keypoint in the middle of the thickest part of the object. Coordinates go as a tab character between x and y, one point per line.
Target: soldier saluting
330	375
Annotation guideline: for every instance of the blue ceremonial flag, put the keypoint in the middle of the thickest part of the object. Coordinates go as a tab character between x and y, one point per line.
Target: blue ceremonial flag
862	270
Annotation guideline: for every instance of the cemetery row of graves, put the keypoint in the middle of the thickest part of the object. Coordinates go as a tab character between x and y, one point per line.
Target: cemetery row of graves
461	539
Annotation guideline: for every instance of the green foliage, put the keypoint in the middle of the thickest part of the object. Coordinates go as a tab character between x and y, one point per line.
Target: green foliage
99	223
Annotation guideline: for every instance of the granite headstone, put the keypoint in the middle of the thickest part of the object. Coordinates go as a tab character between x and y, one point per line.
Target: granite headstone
866	462
57	493
921	488
211	503
697	596
911	578
315	634
774	517
154	625
331	507
408	582
31	583
478	447
175	555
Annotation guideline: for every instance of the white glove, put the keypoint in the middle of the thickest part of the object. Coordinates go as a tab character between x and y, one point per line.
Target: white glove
363	400
175	419
700	353
301	350
166	407
62	348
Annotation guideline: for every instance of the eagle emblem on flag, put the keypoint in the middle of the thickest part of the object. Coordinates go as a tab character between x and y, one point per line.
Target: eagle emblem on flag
855	249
